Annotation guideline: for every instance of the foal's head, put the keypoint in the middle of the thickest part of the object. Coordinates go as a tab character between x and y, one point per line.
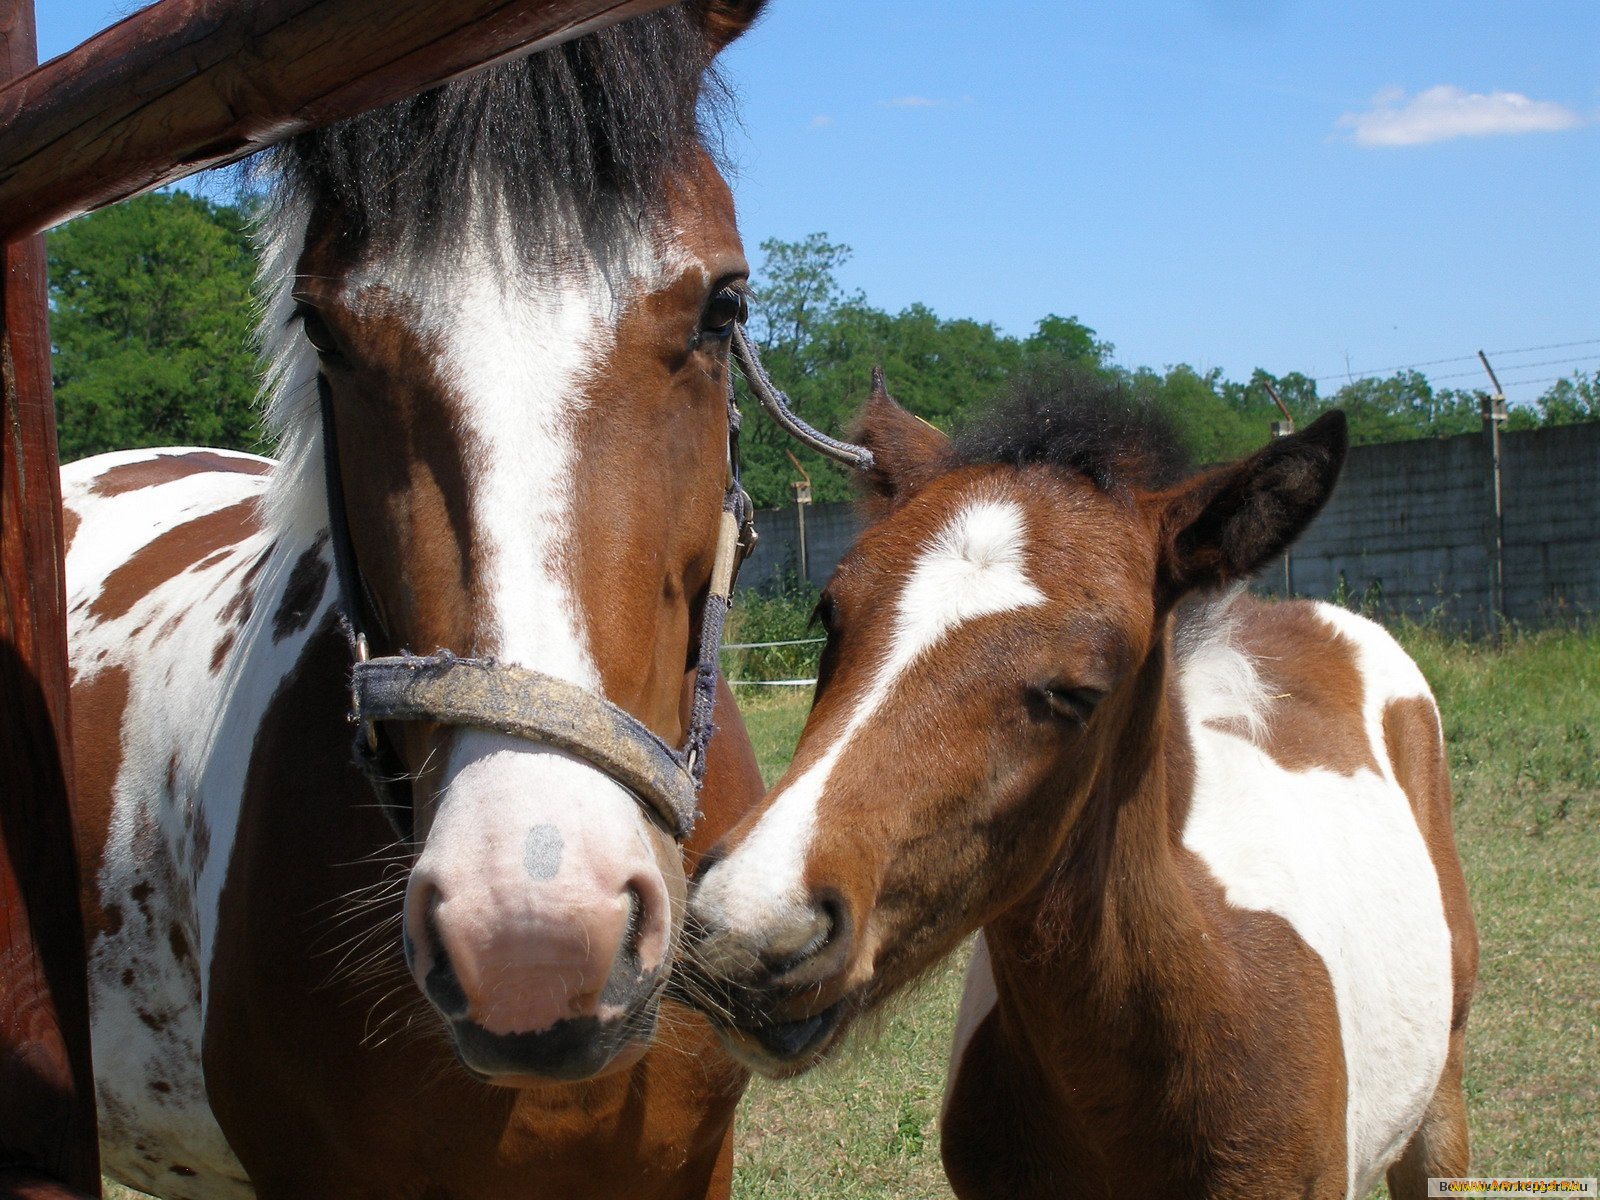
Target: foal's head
987	639
516	294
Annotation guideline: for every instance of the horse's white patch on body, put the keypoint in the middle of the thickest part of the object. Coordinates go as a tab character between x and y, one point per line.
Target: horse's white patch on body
975	566
201	666
1338	857
978	999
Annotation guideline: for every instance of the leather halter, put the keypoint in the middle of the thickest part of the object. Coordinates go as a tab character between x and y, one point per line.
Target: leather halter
445	689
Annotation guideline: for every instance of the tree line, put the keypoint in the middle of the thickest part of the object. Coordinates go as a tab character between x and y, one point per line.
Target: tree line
153	325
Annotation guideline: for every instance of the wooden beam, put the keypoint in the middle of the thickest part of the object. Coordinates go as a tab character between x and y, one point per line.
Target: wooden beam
47	1117
188	84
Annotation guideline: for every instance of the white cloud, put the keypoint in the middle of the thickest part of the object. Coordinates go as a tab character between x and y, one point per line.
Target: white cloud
821	119
913	102
1445	112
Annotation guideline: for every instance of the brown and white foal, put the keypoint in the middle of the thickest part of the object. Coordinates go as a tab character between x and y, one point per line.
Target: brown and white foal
1226	944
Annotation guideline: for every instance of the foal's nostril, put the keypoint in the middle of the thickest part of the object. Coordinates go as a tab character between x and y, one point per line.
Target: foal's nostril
823	940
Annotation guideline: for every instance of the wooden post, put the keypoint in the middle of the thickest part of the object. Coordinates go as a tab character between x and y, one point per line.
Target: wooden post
48	1145
1492	409
802	496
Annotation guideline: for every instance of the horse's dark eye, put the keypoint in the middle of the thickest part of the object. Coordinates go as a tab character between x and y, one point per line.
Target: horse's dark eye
726	306
317	332
1073	705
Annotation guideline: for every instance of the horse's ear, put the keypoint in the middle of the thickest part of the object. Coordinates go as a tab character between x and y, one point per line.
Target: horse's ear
724	20
906	450
1223	526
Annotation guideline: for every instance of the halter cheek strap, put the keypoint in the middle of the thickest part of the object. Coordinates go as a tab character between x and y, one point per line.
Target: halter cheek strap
448	690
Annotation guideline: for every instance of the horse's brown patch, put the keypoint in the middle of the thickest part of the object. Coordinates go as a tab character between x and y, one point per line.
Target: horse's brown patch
302	593
98	704
69	529
167	468
653	439
170	554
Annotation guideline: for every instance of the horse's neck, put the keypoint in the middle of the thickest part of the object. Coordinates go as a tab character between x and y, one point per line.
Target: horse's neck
1110	960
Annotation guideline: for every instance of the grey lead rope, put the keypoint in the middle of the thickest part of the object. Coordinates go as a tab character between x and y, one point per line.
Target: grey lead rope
777	405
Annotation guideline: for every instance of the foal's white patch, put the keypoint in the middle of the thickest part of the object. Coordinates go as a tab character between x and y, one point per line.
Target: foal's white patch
1342	860
978	999
973	567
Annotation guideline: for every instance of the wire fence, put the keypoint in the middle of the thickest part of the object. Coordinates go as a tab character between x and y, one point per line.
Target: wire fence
789	663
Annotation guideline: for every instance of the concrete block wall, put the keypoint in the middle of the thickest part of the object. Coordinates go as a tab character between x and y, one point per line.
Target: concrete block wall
1411	526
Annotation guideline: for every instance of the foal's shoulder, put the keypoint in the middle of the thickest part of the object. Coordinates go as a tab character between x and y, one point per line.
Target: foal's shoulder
1312	684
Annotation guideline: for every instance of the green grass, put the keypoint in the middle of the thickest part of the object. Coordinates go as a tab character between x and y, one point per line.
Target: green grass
1521	725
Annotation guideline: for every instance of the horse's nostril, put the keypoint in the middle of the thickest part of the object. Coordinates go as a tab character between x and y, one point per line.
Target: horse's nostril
634	929
441	985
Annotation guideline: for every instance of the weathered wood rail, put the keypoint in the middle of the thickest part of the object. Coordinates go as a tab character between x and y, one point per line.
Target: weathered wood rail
173	89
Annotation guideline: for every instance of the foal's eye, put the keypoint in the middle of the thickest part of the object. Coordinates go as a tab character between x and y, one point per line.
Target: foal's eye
726	306
822	614
317	332
1074	705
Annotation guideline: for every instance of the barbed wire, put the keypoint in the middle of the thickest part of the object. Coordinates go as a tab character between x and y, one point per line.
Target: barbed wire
1366	373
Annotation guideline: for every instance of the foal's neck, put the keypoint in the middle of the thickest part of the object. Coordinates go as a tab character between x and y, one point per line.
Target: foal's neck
1107	958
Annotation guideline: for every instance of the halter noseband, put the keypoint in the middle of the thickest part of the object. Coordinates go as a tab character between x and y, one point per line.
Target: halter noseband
448	690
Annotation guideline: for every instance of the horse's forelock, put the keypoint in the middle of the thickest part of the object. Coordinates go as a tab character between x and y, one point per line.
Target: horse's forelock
577	141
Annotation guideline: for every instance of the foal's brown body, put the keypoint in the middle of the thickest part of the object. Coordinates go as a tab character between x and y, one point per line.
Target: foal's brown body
1144	1035
1226	947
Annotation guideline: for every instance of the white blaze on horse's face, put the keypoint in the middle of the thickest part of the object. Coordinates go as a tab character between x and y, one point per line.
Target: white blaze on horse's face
479	403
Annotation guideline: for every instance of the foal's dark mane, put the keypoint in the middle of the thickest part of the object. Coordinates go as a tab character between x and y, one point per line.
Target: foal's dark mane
1065	415
578	139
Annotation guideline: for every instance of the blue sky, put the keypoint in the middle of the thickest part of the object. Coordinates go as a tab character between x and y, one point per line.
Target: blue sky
1331	188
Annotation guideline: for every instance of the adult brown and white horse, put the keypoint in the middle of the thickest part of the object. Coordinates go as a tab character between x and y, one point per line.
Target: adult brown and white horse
512	299
1226	949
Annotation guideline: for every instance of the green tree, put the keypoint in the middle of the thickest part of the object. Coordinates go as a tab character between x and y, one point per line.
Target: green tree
152	323
820	344
796	290
1070	339
1205	410
1571	400
1403	406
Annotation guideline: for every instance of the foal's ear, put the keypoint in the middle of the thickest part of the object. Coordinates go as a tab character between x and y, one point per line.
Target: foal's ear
724	20
1225	525
906	451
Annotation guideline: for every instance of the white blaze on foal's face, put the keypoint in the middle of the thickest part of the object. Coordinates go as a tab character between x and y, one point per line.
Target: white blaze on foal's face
974	565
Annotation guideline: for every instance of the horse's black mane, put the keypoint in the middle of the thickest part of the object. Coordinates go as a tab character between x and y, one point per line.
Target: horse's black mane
1066	415
577	138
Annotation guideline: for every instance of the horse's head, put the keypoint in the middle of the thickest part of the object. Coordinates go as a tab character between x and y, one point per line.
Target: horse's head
512	300
987	642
